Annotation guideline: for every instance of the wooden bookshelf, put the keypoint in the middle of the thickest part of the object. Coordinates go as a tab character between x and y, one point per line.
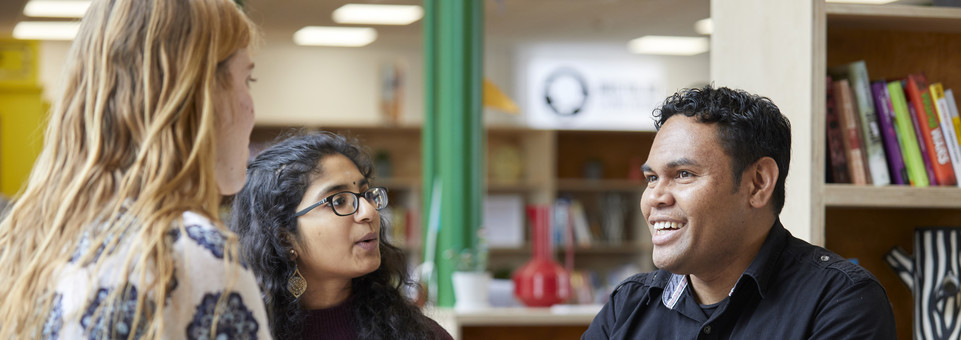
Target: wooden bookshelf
896	197
594	250
894	17
540	179
865	222
600	185
782	50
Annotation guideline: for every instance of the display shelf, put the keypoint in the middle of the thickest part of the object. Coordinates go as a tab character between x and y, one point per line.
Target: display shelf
894	17
512	186
600	185
598	249
528	316
847	195
395	183
533	175
864	222
558	322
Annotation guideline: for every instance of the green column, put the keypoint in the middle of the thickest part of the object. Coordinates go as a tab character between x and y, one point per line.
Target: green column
452	139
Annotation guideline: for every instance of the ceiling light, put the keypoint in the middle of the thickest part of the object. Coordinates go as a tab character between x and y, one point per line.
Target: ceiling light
377	14
704	26
653	44
867	2
334	36
56	9
46	30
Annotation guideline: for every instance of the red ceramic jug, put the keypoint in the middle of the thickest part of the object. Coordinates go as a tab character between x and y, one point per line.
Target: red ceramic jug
541	282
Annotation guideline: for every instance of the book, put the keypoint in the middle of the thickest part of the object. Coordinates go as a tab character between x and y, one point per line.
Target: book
851	141
504	220
923	147
947	126
837	161
882	105
873	149
953	109
613	218
904	127
937	149
582	231
563	228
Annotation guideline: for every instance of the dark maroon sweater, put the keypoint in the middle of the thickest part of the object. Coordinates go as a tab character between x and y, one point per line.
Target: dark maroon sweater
337	323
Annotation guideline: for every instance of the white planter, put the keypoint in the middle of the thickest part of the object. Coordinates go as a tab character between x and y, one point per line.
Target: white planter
471	290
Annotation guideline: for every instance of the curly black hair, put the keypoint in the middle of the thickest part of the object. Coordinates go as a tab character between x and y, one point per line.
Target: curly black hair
749	127
263	217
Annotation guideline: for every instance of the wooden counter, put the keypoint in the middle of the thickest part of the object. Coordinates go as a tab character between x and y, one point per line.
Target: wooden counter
558	322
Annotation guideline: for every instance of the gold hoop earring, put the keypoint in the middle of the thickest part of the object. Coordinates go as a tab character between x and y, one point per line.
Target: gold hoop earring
296	285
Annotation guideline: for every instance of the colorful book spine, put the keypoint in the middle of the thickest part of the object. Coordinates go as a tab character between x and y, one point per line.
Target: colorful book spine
837	161
849	125
947	127
882	103
953	108
932	180
907	139
870	130
920	95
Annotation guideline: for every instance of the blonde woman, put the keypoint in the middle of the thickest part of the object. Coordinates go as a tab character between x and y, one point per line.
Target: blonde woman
116	234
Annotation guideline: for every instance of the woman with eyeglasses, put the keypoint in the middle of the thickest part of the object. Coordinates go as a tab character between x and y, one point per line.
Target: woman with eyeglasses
310	227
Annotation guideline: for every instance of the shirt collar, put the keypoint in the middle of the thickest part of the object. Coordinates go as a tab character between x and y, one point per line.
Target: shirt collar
764	265
675	288
761	269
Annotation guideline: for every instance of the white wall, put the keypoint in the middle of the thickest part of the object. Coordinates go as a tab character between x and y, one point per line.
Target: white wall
764	47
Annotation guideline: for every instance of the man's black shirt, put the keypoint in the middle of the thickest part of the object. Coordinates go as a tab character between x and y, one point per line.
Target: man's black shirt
791	290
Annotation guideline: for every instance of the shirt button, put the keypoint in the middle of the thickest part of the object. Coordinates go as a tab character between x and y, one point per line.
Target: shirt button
707	329
825	258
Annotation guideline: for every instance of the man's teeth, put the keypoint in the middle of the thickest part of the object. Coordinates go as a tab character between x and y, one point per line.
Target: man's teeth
667	225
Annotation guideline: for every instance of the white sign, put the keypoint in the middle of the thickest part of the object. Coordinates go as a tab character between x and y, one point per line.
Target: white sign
584	94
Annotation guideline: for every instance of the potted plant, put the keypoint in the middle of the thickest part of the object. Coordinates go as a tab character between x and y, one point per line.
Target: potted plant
471	279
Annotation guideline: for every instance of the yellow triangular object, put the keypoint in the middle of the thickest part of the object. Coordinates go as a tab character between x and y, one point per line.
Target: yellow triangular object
496	99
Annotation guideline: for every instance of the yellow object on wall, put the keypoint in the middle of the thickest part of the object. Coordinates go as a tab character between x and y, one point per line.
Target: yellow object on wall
496	99
22	112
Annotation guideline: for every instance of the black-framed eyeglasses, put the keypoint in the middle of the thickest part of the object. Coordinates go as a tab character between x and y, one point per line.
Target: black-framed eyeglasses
346	203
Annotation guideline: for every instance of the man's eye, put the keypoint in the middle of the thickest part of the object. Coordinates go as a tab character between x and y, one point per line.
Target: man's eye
651	178
684	174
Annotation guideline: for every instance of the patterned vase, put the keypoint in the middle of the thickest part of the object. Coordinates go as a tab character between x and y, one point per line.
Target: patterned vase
541	282
932	275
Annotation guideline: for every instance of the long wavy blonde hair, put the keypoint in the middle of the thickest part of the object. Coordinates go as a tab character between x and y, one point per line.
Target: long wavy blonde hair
131	138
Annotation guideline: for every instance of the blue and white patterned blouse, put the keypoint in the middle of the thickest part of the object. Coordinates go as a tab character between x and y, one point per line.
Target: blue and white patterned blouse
199	280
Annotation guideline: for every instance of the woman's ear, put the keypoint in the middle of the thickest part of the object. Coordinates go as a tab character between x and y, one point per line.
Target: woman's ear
286	240
763	178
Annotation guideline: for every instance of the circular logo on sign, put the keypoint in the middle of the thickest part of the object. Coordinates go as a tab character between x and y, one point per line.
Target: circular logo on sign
565	92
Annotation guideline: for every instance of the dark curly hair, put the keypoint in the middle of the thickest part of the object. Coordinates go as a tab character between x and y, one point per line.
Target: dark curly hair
263	217
749	127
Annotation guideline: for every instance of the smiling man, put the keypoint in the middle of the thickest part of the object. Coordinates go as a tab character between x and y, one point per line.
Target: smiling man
728	269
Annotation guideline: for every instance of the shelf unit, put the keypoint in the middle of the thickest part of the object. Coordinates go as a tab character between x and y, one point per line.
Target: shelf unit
782	50
865	222
551	164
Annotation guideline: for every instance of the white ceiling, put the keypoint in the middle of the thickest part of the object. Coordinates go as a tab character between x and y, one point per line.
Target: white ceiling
505	20
516	20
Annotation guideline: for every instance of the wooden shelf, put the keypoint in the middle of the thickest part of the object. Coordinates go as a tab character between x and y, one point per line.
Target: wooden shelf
598	249
511	186
600	185
847	195
558	315
895	17
394	184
